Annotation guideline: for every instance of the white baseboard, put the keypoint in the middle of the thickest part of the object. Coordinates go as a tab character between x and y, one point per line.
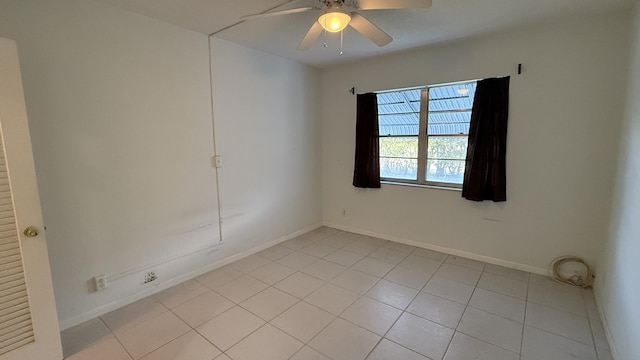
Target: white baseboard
605	325
446	250
155	288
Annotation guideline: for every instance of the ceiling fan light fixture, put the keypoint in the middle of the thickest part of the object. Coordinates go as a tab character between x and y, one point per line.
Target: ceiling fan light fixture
334	21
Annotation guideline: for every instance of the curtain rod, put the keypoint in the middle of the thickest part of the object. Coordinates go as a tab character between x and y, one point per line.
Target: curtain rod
352	91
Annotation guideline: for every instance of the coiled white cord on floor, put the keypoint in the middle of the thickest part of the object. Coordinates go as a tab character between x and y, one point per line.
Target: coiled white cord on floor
584	280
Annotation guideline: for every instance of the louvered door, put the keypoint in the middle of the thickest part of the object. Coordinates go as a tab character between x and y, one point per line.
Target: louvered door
28	321
16	325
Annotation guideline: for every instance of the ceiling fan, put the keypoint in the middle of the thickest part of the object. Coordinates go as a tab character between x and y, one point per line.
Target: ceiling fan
335	15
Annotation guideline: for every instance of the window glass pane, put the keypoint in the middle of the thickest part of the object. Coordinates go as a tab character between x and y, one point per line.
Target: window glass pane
399	124
446	159
452	97
404	147
398	168
449	171
448	147
399	157
399	112
449	123
450	109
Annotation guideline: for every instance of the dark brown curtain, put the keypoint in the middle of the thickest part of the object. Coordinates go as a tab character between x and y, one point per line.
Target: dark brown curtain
485	172
366	173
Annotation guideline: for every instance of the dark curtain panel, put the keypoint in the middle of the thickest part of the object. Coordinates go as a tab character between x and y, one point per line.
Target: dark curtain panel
485	173
366	173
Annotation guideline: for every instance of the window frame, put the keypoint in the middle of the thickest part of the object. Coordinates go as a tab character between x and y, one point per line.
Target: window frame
423	140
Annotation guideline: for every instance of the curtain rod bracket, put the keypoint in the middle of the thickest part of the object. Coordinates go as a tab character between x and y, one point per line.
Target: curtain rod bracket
352	91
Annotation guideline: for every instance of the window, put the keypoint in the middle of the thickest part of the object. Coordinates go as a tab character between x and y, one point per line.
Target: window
424	133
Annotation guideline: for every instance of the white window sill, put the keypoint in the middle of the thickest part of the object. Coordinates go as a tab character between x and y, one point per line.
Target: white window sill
389	182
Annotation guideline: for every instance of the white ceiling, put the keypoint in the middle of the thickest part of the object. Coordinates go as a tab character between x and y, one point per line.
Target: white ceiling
446	20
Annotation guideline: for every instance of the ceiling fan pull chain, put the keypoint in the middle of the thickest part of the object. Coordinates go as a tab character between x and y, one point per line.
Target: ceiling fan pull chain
341	41
324	43
325	33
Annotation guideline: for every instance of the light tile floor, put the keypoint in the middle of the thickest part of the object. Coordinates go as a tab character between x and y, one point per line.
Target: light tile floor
330	294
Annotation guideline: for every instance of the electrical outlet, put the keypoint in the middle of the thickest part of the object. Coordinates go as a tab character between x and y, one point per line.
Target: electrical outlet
100	281
149	277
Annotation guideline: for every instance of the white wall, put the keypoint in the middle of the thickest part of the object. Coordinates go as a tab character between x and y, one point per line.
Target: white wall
268	134
562	140
120	112
120	116
617	292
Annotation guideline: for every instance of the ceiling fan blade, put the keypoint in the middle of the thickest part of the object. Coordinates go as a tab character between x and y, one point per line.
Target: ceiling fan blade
368	29
276	13
313	34
393	4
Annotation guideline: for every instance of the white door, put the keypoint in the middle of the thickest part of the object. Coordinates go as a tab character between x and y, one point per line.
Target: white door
28	320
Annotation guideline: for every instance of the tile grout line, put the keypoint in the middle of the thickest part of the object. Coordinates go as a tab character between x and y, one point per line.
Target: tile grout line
268	286
325	282
497	293
318	333
115	337
204	337
404	311
566	312
156	348
524	320
481	340
197	332
234	305
465	310
358	298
